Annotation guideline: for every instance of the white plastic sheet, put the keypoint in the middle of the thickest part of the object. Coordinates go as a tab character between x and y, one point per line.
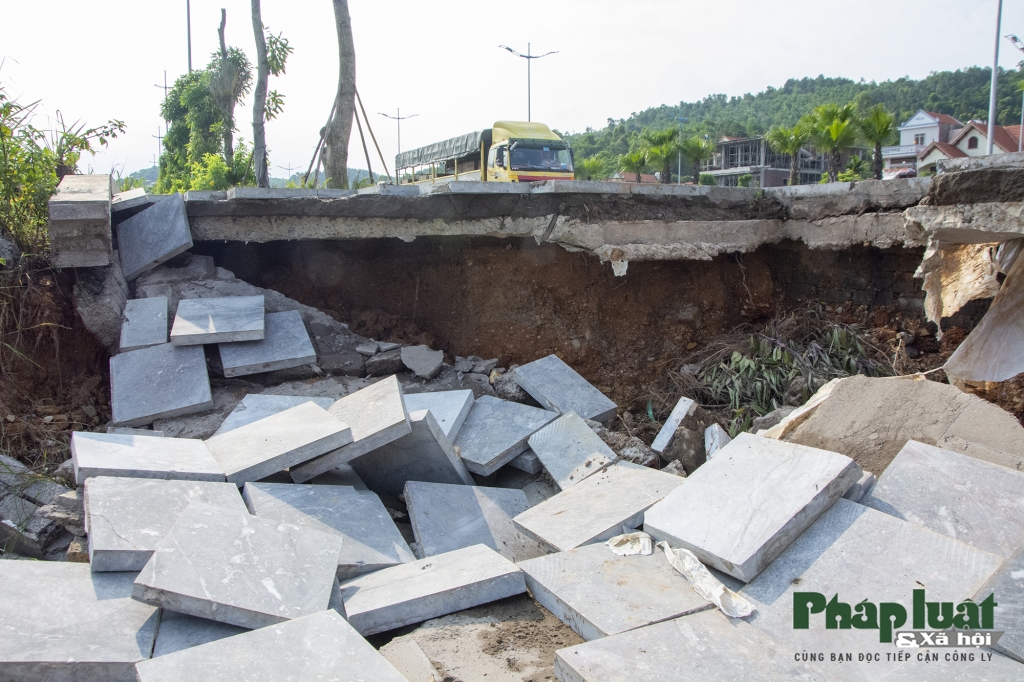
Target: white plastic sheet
707	585
632	544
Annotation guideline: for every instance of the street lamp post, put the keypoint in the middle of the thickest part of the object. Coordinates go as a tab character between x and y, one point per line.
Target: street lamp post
679	172
992	88
529	57
398	118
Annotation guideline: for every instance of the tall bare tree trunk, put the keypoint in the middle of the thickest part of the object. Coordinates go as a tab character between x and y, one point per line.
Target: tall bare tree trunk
666	172
229	124
339	128
794	169
259	103
878	161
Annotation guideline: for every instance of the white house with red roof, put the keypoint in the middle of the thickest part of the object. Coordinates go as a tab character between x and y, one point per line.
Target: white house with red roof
971	140
923	129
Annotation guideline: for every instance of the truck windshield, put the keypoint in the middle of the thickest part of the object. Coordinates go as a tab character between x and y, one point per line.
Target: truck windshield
541	155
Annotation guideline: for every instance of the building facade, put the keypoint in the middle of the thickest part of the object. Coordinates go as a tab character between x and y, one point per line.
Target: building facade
923	129
971	140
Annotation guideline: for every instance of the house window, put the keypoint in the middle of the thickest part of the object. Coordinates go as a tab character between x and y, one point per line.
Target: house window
919	139
972	143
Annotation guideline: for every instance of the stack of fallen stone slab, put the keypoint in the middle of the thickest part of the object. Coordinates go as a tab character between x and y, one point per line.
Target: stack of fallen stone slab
79	221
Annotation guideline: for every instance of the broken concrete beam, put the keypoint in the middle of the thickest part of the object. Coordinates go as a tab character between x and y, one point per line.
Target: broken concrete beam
256	406
278	573
424	454
22	481
59	621
683	409
80	208
784	488
319	646
422	361
557	387
376	415
179	632
528	462
218	320
285	345
1007	584
814	202
24	530
715	438
955	495
450	408
277	442
107	454
449	517
853	550
126	518
569	450
145	323
599	593
496	431
264	193
597	507
371	540
431	587
153	236
158	382
730	650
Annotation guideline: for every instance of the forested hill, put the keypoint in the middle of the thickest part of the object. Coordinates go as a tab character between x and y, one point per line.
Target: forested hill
962	93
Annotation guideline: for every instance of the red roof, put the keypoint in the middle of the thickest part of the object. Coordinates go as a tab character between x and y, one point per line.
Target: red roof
949	150
1006	137
944	118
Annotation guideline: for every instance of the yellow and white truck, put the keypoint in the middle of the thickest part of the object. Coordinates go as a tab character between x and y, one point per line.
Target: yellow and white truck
510	151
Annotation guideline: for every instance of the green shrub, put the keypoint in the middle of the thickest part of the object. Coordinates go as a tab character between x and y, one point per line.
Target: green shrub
744	180
707	179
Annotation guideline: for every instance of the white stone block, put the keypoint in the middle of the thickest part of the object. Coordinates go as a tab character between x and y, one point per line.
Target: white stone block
450	408
145	323
218	320
285	345
684	408
715	438
557	386
108	454
570	450
158	382
256	406
496	431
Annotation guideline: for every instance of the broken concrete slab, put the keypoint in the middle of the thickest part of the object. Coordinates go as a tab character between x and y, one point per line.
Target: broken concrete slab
449	517
569	450
158	382
715	438
965	498
424	454
528	462
145	323
450	408
59	621
422	361
153	236
371	540
343	474
179	632
25	530
126	518
368	348
218	320
256	406
428	588
599	593
22	481
385	363
320	646
683	409
597	507
496	431
784	488
376	415
729	649
1007	584
277	442
202	568
285	345
108	454
855	551
557	386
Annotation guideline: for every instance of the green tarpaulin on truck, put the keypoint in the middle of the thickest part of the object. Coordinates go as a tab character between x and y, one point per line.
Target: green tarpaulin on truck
446	150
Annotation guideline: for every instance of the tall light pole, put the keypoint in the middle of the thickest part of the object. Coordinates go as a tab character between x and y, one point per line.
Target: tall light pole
188	21
992	88
1019	44
399	118
529	57
679	174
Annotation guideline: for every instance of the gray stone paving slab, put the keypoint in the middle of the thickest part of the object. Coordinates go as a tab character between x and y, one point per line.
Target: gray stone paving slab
724	650
145	323
153	236
110	454
860	553
861	488
425	454
133	198
60	622
179	632
957	495
449	517
235	568
496	431
422	361
597	507
599	593
557	386
570	450
158	382
256	406
343	474
285	345
277	442
995	669
371	539
742	508
127	431
321	646
80	197
1007	584
24	482
126	518
376	415
450	408
681	411
428	588
528	462
218	320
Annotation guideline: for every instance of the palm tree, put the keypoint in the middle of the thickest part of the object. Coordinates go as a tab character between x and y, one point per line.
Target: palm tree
661	148
834	129
588	169
789	141
634	162
697	150
877	128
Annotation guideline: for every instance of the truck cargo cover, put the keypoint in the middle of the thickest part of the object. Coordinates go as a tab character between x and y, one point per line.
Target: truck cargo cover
445	150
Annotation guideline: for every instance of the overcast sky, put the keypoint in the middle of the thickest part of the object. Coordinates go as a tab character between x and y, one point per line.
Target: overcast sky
101	59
